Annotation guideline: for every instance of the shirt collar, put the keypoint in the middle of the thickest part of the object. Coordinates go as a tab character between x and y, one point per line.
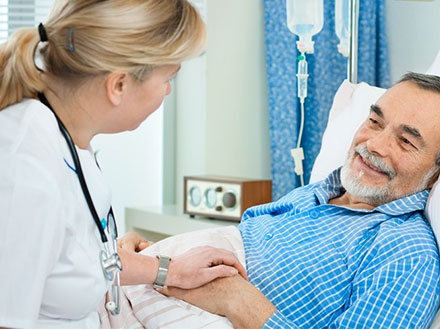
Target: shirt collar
331	187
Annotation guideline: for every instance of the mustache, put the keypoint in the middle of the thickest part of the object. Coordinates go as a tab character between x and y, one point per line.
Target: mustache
378	162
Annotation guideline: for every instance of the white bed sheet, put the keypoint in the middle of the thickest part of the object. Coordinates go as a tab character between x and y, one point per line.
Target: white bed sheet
143	307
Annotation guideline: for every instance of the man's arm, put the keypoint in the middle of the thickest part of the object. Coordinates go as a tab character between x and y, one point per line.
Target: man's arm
402	294
234	297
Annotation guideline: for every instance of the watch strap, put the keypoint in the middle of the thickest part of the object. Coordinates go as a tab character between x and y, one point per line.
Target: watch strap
162	272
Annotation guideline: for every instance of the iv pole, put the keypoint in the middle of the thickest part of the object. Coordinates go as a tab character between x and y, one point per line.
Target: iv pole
352	71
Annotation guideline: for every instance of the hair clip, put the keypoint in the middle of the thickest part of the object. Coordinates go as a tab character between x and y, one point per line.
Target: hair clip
43	33
70	39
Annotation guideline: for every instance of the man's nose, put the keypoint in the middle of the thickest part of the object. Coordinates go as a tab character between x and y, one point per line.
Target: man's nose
380	144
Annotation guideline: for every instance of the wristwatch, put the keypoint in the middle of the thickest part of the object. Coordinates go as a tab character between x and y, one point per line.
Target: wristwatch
162	273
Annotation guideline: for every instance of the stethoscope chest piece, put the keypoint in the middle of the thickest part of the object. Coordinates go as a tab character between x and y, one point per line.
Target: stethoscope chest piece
110	265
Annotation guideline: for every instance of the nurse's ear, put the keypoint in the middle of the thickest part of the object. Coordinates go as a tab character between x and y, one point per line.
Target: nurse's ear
116	85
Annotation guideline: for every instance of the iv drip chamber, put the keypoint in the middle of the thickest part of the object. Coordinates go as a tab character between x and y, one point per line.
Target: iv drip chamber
342	25
305	18
302	74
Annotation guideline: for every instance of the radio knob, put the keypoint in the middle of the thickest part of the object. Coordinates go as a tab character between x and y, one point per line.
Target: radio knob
218	208
229	200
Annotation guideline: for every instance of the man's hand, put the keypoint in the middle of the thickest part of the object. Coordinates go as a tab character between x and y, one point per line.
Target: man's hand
234	297
201	265
132	241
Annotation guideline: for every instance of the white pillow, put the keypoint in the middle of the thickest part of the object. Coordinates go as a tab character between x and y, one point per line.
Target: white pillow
350	108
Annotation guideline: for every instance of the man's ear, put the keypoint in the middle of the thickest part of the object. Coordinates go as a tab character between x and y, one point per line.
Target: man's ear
433	179
116	86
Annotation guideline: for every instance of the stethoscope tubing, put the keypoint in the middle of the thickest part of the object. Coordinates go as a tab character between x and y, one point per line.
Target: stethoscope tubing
79	170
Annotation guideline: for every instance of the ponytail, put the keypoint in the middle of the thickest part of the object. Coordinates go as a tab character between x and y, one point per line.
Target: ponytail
19	77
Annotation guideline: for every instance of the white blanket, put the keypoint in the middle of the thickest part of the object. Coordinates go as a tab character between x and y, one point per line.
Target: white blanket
143	307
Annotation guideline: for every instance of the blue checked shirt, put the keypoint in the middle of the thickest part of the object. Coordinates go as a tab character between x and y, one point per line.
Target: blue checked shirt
327	266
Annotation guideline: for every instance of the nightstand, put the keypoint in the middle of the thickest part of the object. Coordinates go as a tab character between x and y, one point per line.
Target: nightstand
156	223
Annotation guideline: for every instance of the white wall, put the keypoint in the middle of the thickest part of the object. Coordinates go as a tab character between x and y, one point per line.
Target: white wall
222	119
237	106
190	134
413	29
132	163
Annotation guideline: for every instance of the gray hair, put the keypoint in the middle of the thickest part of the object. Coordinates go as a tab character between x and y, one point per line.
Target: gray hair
424	81
427	82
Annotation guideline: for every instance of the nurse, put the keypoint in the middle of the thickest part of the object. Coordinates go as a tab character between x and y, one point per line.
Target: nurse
104	67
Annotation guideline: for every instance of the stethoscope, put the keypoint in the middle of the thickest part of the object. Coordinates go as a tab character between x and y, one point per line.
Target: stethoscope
110	262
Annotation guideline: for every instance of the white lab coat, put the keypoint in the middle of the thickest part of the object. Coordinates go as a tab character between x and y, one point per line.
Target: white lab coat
49	244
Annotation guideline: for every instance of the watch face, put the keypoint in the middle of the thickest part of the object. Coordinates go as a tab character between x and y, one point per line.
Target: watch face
210	198
195	196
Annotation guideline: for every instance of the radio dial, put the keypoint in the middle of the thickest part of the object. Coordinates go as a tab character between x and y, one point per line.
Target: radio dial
210	198
195	196
229	200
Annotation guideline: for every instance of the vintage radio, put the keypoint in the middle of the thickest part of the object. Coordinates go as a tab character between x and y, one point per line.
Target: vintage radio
223	197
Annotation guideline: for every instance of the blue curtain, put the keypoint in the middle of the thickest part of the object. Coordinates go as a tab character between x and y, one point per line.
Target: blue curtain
327	70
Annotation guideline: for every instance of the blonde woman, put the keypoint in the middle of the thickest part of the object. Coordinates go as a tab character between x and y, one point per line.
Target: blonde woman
103	67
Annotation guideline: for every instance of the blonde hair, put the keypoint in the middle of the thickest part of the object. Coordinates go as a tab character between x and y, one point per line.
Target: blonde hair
87	38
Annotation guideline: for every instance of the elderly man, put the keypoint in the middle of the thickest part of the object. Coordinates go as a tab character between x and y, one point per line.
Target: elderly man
352	251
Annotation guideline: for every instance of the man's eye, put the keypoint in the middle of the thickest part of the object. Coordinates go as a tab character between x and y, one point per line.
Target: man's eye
374	121
406	141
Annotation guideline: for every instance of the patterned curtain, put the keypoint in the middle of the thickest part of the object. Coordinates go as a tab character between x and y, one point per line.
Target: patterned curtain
327	69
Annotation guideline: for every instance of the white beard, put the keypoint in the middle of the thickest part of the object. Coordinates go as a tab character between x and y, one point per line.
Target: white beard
376	195
372	195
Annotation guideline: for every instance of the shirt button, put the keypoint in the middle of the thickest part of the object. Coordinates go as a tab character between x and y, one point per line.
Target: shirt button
314	214
268	236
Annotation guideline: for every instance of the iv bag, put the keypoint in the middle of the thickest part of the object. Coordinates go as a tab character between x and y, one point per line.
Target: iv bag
305	18
342	25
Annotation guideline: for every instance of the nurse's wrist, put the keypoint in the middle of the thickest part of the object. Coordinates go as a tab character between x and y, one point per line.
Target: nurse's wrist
163	276
172	277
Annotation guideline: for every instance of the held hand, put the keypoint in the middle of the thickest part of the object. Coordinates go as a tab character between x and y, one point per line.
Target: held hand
234	297
132	241
201	265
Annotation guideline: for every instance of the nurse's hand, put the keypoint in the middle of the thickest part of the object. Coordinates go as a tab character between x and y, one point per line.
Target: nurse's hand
202	265
132	241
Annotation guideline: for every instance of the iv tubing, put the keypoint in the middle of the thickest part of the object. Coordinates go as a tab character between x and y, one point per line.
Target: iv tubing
301	128
298	152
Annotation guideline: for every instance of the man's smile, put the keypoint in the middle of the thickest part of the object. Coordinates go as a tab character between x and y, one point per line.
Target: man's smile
367	167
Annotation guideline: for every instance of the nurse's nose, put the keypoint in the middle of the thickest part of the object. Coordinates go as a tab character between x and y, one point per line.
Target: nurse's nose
169	89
